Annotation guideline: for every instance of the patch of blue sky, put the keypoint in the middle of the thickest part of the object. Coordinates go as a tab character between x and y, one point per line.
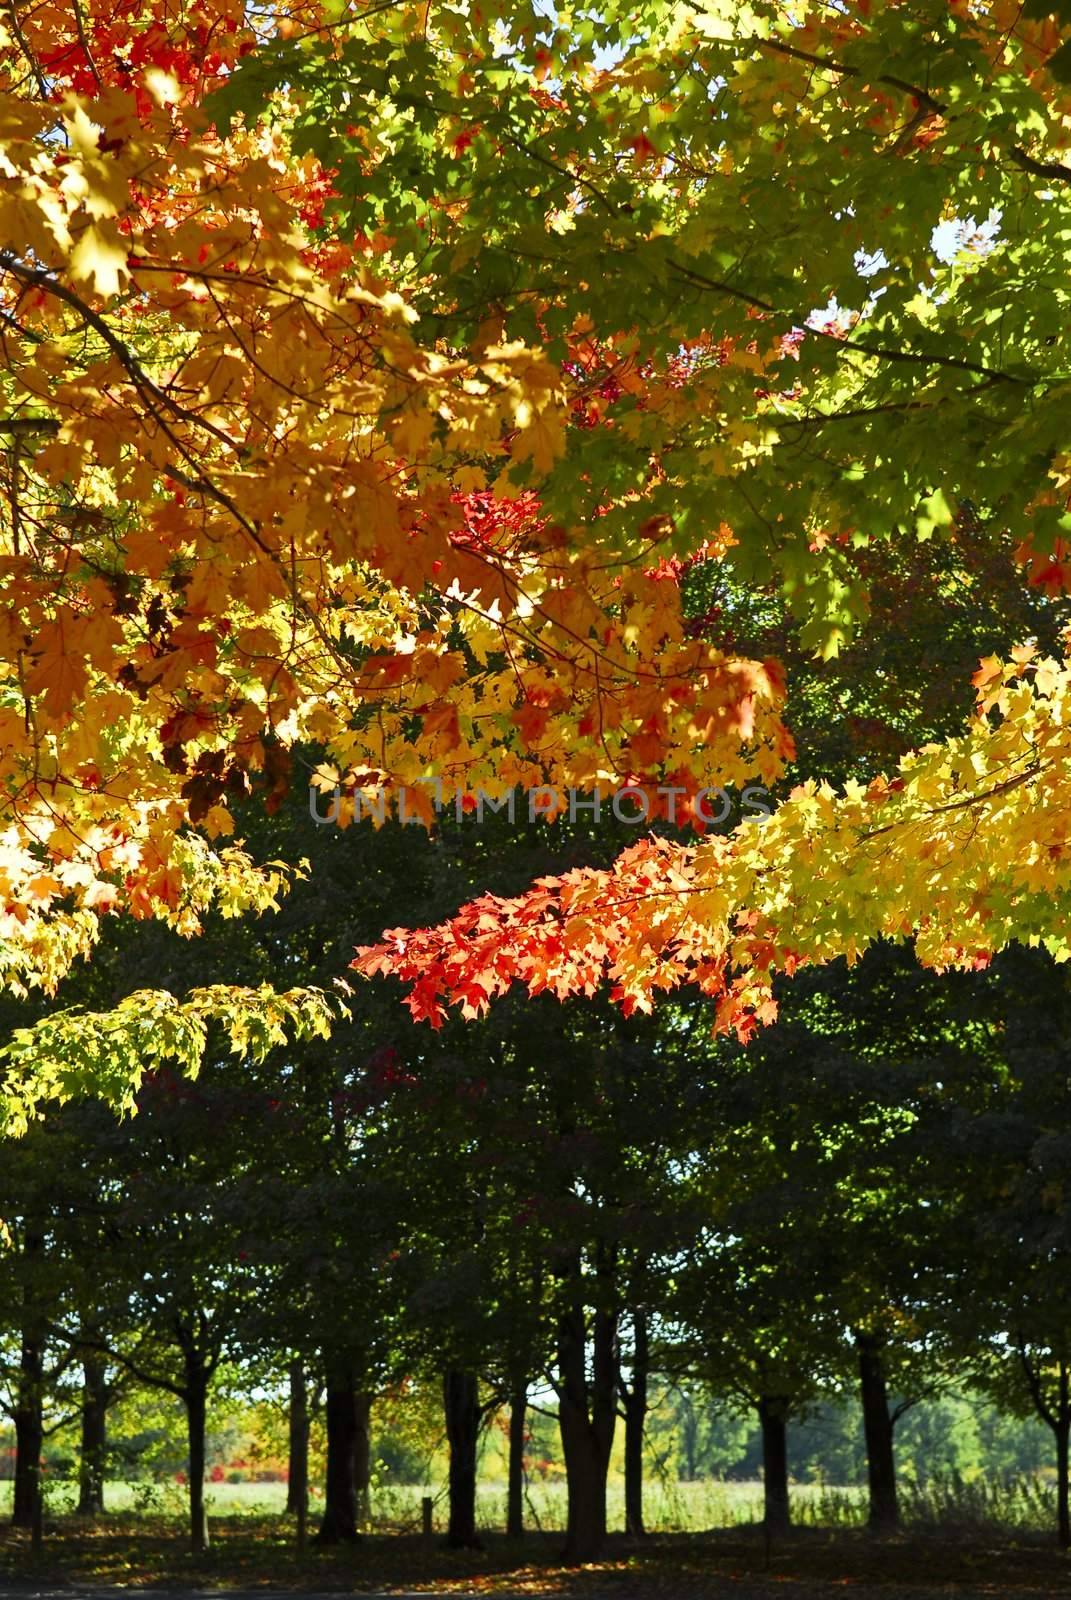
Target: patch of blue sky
603	57
948	239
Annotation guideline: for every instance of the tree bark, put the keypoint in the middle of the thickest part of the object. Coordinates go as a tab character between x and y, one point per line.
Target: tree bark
297	1464
878	1431
1063	1509
462	1412
94	1437
196	1398
518	1423
339	1522
587	1414
773	1412
29	1432
362	1452
1062	1430
635	1404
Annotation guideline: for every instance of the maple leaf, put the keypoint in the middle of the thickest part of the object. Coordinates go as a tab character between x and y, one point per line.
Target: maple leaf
99	260
532	721
60	673
539	439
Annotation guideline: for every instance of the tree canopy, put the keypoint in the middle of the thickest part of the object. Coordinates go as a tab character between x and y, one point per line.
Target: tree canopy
387	390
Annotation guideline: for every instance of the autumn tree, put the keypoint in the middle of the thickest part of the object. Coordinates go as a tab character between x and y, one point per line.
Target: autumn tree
317	434
194	391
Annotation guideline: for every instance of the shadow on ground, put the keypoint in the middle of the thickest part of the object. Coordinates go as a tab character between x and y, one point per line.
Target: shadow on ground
253	1557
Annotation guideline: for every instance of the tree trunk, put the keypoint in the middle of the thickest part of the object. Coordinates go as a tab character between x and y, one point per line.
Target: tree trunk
878	1431
773	1412
635	1403
362	1453
297	1474
1062	1430
94	1437
1063	1511
196	1398
518	1423
587	1416
29	1432
462	1411
339	1522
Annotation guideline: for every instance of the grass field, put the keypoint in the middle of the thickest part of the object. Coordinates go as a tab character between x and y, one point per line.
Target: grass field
1023	1504
672	1508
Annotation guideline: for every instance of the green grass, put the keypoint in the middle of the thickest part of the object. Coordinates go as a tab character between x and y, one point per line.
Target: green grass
1025	1504
671	1508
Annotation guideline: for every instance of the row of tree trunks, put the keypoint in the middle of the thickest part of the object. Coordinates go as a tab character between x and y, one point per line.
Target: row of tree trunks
587	1411
879	1422
587	1414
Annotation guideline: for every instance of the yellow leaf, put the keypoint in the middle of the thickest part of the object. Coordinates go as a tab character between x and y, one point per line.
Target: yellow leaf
59	674
470	480
217	820
540	441
99	259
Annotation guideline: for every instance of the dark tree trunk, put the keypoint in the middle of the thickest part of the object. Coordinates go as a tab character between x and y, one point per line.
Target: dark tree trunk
462	1411
1063	1506
297	1476
1062	1430
635	1404
362	1452
773	1412
29	1433
518	1422
196	1398
94	1437
1063	1510
878	1431
339	1522
587	1415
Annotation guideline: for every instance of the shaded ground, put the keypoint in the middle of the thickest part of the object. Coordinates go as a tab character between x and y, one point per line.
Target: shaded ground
251	1557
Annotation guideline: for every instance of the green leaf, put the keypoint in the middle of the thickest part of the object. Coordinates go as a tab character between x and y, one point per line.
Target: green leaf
934	512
